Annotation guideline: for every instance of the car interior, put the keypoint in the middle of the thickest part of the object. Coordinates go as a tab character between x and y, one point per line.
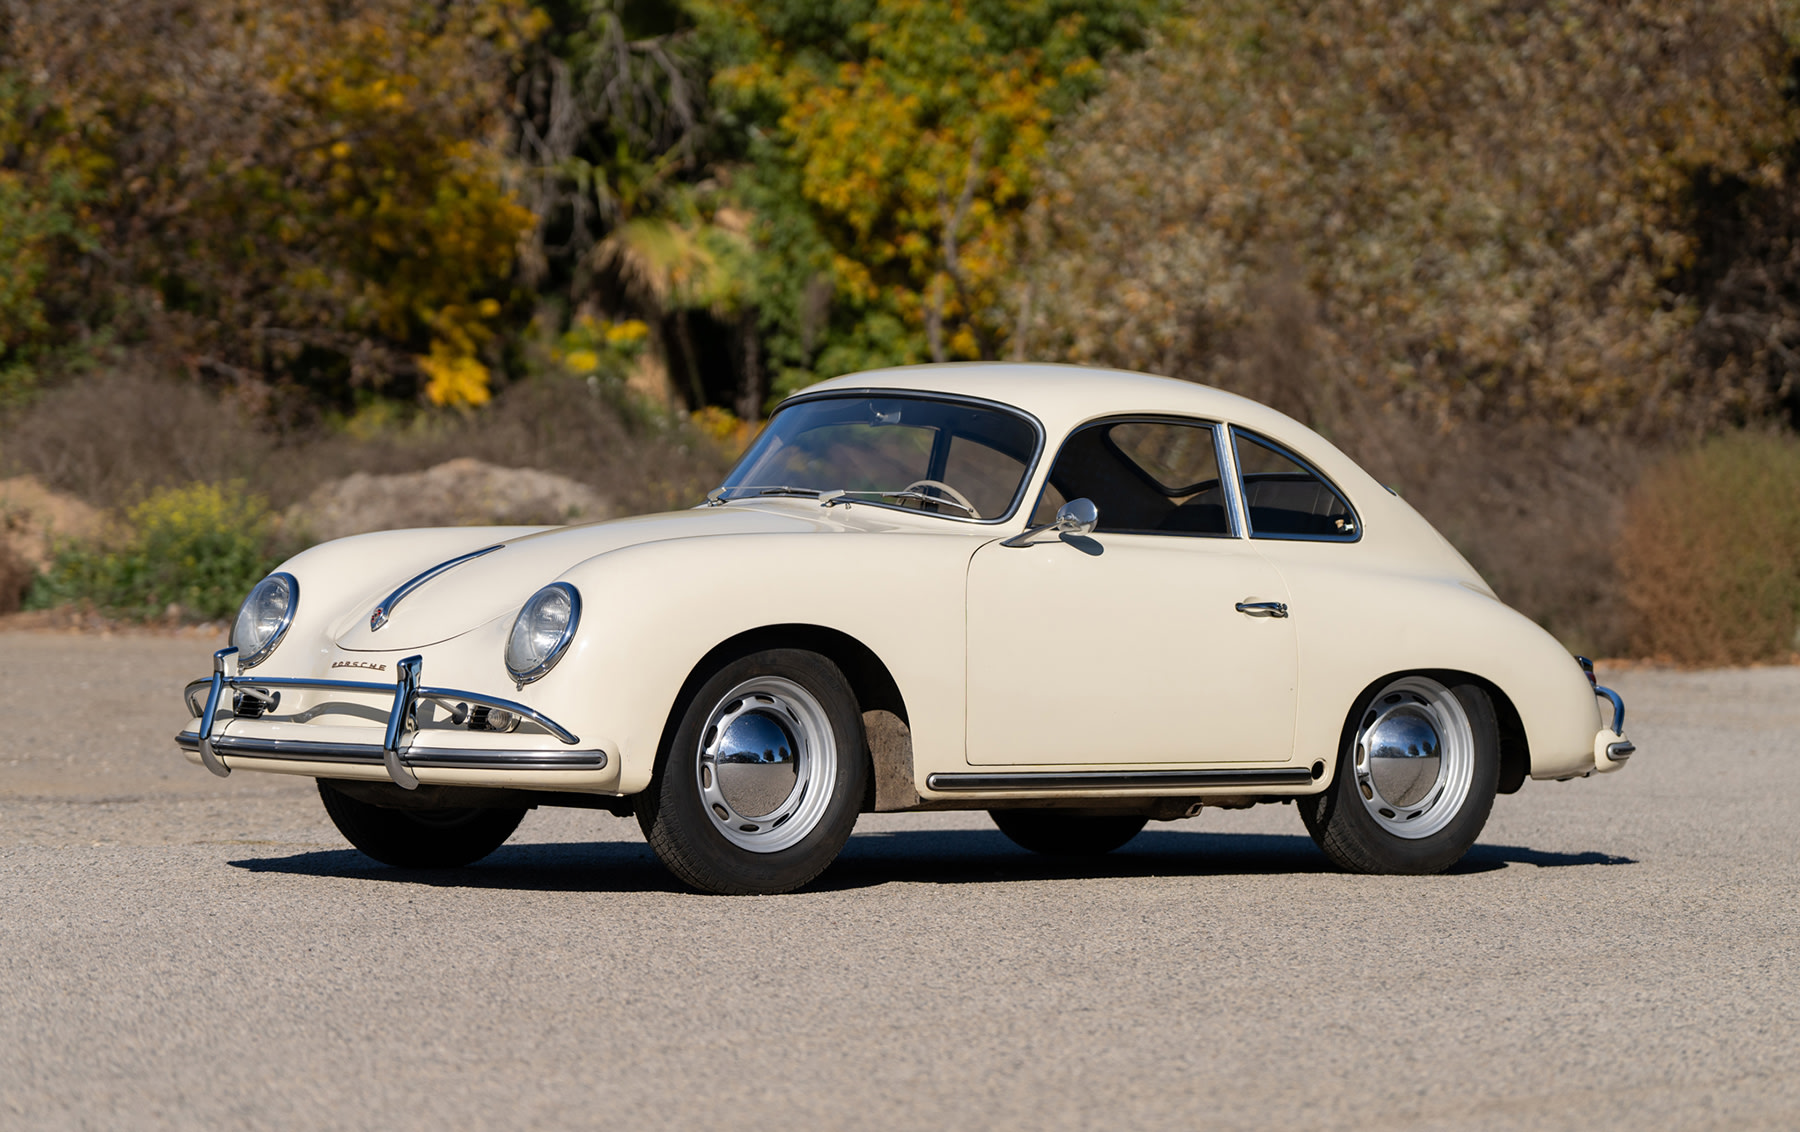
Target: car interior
1153	476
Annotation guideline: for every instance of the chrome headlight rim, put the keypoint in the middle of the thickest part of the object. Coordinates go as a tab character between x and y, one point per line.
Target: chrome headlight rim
522	677
252	659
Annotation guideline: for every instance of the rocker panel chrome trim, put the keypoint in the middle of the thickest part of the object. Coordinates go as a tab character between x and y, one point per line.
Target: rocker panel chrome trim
1119	779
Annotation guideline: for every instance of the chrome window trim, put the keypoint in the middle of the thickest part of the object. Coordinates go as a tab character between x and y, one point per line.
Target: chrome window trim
1031	465
1227	479
287	619
1306	466
562	645
385	608
1234	488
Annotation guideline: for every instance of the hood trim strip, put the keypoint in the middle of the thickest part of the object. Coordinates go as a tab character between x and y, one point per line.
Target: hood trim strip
385	609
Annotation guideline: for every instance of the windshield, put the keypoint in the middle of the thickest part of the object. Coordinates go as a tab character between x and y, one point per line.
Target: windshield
941	457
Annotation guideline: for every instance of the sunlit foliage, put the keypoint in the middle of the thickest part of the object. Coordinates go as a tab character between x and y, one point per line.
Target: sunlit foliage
906	135
46	181
300	193
196	548
1477	208
1564	211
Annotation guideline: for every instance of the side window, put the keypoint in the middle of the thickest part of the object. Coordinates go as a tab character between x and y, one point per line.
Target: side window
1287	499
1145	476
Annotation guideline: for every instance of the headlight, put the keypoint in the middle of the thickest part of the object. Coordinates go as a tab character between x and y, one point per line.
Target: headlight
264	618
544	629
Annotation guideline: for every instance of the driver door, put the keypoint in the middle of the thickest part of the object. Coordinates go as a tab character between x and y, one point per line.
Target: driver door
1126	646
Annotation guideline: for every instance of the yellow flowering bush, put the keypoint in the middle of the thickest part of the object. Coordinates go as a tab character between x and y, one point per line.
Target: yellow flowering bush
598	346
198	548
724	428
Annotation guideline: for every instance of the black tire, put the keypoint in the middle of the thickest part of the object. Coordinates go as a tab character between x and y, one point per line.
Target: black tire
1059	833
1346	826
420	839
694	837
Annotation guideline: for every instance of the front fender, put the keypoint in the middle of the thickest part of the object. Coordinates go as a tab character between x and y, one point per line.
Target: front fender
651	612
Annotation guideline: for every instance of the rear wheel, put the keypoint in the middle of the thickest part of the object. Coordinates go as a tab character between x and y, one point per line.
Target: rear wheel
1415	781
1060	833
420	839
764	778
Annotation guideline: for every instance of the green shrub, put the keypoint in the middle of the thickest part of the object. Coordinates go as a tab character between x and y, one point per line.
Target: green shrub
199	548
1710	552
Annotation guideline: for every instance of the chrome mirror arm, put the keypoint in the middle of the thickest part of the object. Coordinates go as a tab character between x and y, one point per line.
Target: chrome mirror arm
1024	537
1076	517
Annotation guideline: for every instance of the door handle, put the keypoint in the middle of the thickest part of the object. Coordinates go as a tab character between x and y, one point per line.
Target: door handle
1263	608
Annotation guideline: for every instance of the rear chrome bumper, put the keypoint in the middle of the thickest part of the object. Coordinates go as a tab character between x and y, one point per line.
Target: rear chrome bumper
398	753
1611	748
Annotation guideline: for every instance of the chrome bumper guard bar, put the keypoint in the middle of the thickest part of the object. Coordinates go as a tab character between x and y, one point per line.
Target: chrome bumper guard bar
408	693
1621	750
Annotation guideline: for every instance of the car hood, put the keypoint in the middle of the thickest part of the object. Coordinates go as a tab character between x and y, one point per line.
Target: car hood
476	591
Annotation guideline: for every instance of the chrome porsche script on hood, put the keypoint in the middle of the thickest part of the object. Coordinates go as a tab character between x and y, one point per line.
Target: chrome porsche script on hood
368	664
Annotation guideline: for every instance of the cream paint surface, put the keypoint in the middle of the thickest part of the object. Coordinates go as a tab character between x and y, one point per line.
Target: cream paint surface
1127	647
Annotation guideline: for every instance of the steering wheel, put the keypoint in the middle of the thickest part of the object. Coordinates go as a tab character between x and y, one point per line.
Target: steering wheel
954	494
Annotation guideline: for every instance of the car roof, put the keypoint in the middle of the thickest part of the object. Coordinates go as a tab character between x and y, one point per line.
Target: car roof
1062	396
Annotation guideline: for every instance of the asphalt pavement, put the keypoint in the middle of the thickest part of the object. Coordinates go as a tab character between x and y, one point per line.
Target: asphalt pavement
180	951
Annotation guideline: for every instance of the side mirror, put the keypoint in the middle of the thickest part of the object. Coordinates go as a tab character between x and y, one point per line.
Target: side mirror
1076	517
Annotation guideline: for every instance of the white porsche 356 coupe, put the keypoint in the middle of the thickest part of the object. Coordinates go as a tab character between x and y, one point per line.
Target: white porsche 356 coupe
1077	599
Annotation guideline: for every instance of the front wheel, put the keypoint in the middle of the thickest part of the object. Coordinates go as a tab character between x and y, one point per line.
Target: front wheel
1415	782
764	778
420	839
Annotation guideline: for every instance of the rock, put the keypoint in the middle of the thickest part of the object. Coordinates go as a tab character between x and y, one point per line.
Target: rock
33	519
458	493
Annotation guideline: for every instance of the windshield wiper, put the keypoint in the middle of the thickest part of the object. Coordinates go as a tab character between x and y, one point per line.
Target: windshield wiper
719	495
831	498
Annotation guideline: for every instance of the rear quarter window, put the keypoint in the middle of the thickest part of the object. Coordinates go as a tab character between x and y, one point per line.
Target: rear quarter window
1285	498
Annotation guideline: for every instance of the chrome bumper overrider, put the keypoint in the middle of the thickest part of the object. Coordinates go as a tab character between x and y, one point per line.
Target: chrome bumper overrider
393	752
1611	748
1620	750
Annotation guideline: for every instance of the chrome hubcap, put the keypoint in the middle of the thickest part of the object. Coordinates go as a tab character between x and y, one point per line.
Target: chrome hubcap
1415	757
766	764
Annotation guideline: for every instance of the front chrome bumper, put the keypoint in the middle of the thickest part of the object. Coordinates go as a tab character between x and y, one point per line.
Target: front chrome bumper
396	752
